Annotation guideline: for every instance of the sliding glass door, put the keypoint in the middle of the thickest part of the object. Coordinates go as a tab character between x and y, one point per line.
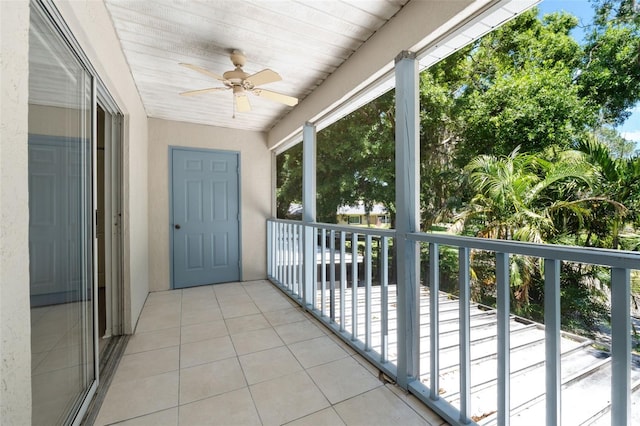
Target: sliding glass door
61	231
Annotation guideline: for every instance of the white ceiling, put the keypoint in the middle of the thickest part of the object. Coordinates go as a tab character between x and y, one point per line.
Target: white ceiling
343	48
304	41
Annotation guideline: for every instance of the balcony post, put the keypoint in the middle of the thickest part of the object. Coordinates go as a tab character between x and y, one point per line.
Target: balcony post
308	211
620	346
407	213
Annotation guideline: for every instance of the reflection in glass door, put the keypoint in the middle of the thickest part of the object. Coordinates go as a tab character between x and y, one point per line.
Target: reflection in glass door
60	226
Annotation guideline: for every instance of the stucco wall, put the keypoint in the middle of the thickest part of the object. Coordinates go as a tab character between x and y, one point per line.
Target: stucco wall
15	320
255	182
91	25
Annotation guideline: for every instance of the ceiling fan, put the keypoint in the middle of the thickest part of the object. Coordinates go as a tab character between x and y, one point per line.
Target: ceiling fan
242	83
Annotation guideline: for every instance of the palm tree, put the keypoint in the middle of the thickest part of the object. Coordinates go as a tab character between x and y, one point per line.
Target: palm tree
523	197
619	180
518	196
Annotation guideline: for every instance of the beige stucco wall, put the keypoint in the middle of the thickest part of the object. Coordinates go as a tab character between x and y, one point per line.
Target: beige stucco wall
255	182
91	25
15	322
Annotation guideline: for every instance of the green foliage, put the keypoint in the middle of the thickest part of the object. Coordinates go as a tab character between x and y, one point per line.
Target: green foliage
516	142
610	70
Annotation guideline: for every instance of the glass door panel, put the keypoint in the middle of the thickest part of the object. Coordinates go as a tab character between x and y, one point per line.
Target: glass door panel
60	226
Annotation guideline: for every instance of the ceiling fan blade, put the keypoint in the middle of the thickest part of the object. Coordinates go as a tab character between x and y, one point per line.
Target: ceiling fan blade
242	103
275	96
203	71
197	92
263	77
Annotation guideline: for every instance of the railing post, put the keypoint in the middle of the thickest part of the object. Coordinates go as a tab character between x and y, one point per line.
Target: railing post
434	324
504	348
552	340
309	210
465	335
407	213
620	346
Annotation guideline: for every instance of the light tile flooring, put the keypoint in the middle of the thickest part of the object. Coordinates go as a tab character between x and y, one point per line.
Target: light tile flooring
244	354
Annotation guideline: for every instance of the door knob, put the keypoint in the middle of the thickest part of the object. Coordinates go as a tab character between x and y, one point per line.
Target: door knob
177	226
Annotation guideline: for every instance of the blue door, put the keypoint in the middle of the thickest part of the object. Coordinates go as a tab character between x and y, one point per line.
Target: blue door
205	217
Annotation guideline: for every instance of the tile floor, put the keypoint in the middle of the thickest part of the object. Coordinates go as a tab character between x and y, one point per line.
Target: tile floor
244	354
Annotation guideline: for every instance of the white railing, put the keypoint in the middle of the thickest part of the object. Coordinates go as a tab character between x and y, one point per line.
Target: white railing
341	292
357	299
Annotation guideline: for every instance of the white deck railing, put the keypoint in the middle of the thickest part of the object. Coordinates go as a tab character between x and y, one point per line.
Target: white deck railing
355	298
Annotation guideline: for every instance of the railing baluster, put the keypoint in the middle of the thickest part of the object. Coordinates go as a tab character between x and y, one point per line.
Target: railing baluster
314	279
354	286
367	293
276	250
294	263
301	264
503	302
281	254
384	301
465	335
285	256
620	346
289	245
343	278
323	270
332	276
434	337
283	243
552	340
269	249
294	252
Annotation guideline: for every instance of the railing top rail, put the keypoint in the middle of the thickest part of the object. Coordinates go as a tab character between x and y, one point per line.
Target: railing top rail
597	256
339	228
292	222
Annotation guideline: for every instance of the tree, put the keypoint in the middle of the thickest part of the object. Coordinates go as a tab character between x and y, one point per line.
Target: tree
619	146
527	84
288	180
619	181
354	162
520	196
520	89
609	73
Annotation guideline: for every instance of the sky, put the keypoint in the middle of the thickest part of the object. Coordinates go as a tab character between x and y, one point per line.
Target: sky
630	130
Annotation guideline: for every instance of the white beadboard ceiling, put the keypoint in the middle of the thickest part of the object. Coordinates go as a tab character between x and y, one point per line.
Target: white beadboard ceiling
304	41
328	52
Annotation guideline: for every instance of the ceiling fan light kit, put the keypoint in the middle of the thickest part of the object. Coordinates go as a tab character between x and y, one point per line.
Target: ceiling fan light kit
242	83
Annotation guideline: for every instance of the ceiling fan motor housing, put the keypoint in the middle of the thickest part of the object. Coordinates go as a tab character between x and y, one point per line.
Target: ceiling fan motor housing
236	76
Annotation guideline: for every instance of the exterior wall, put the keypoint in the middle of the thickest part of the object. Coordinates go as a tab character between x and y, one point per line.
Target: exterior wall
255	187
92	27
15	319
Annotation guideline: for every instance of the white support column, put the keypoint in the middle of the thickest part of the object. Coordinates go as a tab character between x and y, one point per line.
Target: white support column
407	213
309	210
